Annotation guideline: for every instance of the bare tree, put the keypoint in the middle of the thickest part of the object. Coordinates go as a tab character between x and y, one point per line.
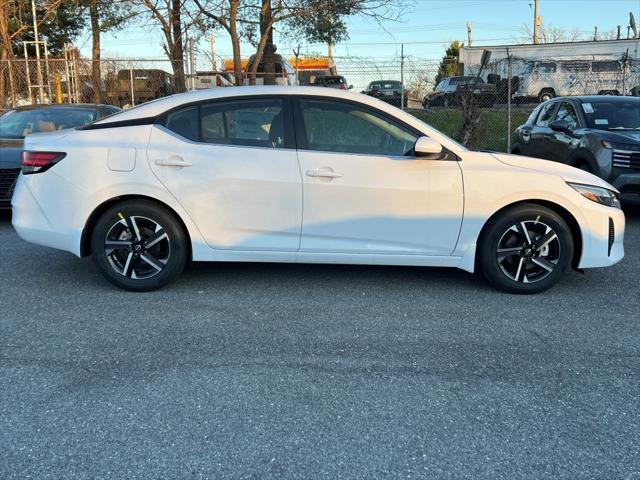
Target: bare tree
550	34
240	17
174	20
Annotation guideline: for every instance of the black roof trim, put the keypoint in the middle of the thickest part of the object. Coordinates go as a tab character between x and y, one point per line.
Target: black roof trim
122	123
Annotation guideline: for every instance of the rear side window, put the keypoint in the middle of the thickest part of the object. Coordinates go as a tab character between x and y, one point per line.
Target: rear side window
184	122
606	66
257	123
251	122
546	115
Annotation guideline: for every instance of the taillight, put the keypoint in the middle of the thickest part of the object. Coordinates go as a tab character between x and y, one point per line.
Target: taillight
218	81
37	162
343	86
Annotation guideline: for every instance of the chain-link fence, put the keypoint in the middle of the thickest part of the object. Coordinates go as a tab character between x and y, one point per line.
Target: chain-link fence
481	111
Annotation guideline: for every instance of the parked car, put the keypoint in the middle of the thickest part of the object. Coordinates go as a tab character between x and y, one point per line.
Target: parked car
284	72
15	124
546	79
598	134
389	91
148	84
450	90
212	80
305	175
333	81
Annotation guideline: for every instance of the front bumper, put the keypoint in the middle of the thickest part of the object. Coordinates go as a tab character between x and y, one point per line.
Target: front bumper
602	235
628	184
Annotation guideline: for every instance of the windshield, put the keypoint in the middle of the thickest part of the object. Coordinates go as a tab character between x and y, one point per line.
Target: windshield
19	123
604	115
385	85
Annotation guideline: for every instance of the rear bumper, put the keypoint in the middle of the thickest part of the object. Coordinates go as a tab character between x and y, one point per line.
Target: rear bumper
32	224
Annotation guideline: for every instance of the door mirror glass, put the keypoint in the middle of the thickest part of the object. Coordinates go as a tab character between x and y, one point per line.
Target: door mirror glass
559	125
426	147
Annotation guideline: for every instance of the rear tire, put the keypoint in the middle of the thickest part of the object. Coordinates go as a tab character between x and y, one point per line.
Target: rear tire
139	246
526	249
545	95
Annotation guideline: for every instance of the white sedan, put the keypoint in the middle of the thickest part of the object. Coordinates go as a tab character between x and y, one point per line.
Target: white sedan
307	175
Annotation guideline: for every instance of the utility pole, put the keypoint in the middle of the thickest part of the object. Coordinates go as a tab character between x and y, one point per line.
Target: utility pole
595	33
618	35
213	52
536	22
37	45
469	44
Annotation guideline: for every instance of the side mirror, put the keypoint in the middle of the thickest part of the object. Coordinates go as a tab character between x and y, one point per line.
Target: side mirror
559	126
428	148
350	87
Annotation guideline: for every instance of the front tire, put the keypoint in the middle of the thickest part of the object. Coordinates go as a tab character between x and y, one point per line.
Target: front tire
526	249
139	246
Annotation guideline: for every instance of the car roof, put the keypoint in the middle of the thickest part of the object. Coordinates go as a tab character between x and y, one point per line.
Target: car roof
60	105
155	108
600	98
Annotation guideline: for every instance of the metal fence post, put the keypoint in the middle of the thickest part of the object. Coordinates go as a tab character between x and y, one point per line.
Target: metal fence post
508	101
133	100
402	76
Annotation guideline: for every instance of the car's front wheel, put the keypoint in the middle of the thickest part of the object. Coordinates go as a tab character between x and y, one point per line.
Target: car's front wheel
139	245
526	249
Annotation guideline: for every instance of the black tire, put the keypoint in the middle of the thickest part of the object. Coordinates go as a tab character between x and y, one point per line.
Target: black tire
159	252
509	265
546	95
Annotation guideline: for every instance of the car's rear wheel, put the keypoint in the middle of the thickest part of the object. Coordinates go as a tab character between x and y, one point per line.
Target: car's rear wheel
526	249
139	245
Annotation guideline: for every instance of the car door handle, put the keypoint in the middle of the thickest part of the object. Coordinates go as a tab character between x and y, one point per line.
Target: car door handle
323	172
173	161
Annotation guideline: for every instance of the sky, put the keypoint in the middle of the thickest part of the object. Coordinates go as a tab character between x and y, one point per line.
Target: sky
426	28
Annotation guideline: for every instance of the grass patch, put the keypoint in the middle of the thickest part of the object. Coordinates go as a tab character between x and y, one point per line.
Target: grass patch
492	134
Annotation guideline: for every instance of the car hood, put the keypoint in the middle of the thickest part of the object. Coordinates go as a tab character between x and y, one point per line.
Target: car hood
569	174
621	136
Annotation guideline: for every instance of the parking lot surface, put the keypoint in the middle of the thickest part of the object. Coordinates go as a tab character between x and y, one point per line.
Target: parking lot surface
295	371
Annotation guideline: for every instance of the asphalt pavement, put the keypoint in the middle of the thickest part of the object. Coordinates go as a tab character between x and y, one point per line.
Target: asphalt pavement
264	371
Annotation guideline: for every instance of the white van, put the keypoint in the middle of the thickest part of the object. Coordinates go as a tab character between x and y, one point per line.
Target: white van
545	79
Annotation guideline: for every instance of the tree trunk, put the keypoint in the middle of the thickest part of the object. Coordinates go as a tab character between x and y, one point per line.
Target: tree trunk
96	75
235	43
177	47
268	56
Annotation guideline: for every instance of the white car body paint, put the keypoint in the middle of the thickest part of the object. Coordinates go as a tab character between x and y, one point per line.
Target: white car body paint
256	204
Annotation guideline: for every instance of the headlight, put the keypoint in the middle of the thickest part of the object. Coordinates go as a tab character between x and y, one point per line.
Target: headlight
597	194
619	146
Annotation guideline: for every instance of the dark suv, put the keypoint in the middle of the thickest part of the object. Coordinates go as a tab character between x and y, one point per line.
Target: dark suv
389	91
600	134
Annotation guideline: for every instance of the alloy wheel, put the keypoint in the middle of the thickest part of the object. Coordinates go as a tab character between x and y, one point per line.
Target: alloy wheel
137	247
528	251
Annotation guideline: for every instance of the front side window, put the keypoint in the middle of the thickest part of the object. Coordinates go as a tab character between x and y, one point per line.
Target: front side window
546	115
568	113
332	126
